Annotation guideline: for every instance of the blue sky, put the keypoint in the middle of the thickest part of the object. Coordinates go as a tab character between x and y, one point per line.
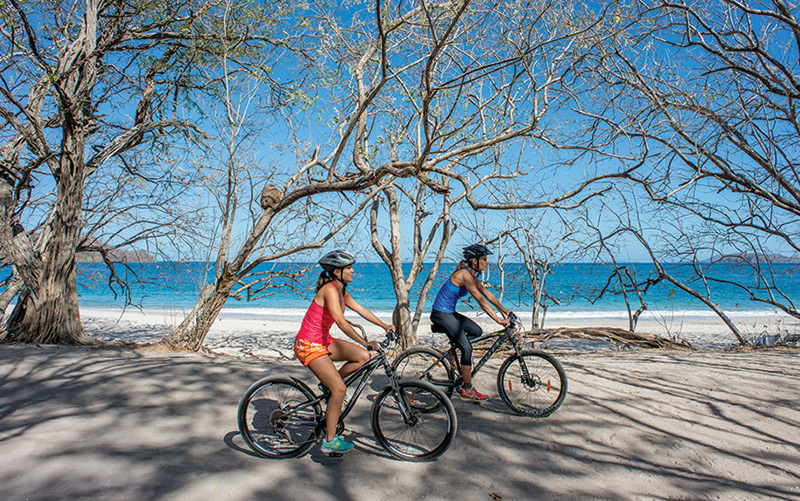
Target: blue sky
314	127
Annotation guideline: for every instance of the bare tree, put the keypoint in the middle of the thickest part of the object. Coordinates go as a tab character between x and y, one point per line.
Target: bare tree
481	79
541	248
700	100
418	202
82	85
628	283
359	99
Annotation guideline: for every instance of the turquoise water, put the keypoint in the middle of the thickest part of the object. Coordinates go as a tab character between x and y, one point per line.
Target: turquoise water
175	286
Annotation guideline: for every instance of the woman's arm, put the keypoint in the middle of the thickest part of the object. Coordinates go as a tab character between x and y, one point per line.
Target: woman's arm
492	298
330	298
365	313
479	292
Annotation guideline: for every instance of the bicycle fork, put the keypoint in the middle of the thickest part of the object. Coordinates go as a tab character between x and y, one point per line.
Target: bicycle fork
409	417
527	379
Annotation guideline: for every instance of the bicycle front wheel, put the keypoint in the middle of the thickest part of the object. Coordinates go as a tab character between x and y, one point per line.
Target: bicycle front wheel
533	384
422	362
416	423
278	417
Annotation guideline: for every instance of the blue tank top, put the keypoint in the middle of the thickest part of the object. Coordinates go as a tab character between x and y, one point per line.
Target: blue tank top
448	296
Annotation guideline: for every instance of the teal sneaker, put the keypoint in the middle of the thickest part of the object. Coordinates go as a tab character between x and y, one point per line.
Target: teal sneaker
338	444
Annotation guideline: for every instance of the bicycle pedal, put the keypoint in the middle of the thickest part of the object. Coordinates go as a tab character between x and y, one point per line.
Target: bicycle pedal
335	454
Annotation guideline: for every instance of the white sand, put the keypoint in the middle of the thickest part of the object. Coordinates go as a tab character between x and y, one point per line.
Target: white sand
80	423
235	334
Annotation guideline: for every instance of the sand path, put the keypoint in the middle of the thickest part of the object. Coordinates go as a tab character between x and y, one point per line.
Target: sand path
78	423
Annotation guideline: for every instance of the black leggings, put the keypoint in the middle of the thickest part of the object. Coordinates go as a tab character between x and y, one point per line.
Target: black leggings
460	330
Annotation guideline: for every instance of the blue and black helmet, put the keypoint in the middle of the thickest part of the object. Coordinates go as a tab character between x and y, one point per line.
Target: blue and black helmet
476	250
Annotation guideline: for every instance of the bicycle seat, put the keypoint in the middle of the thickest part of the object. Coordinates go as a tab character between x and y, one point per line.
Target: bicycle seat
437	328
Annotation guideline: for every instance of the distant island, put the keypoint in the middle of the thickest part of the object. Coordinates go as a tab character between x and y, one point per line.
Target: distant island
117	256
750	257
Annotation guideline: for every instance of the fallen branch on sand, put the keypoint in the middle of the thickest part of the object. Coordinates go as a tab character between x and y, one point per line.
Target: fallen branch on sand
612	334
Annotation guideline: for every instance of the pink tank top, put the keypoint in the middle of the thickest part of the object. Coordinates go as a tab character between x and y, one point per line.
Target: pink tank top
317	324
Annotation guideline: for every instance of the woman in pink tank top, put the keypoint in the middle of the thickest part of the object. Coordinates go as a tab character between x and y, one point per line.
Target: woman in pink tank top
317	349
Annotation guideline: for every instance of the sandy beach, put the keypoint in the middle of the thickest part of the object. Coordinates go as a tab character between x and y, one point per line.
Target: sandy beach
80	423
83	423
240	335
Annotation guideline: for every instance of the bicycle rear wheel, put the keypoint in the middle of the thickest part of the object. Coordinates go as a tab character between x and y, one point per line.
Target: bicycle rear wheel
422	362
541	392
416	423
278	418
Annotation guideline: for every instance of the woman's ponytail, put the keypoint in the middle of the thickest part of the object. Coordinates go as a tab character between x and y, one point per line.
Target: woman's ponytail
465	264
325	277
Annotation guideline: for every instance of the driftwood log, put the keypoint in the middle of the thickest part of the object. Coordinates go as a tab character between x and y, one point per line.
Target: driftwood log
611	334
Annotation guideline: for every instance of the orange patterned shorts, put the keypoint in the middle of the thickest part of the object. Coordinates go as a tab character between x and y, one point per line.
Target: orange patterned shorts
307	351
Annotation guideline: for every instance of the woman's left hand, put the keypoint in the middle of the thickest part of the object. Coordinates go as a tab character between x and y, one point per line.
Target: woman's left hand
388	328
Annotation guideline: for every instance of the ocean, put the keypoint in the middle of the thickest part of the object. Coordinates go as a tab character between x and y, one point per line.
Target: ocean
175	286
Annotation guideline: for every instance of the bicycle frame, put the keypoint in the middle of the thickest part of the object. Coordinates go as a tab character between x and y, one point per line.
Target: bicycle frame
504	337
362	376
281	416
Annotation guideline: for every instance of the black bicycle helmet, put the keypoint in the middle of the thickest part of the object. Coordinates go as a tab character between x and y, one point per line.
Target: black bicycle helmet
336	259
476	250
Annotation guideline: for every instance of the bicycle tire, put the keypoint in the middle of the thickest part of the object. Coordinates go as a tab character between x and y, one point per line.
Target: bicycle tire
270	422
431	431
539	397
422	362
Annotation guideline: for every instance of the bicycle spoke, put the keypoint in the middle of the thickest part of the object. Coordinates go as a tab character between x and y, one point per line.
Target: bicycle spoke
277	419
534	384
422	434
426	364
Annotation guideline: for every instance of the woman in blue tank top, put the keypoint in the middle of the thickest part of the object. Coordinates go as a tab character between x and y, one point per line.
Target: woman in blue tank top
459	328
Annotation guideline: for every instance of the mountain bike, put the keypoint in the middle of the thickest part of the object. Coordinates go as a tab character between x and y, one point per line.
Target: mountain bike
530	382
281	417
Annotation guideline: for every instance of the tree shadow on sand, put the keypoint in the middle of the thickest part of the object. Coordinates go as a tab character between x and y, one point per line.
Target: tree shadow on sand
84	423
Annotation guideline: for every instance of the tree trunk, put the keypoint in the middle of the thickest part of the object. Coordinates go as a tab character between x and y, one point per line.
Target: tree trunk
49	313
14	287
611	334
14	240
401	318
191	333
537	302
47	310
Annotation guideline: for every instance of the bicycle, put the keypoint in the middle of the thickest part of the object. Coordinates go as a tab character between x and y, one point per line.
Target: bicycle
281	417
530	382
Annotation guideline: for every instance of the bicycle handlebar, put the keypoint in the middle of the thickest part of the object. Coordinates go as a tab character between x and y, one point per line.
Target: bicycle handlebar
514	319
391	337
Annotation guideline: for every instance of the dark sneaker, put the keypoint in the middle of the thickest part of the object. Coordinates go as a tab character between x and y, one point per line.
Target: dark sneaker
338	444
472	394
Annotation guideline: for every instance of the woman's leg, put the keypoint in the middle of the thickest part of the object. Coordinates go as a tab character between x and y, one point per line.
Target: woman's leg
326	372
471	329
355	355
468	330
451	323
